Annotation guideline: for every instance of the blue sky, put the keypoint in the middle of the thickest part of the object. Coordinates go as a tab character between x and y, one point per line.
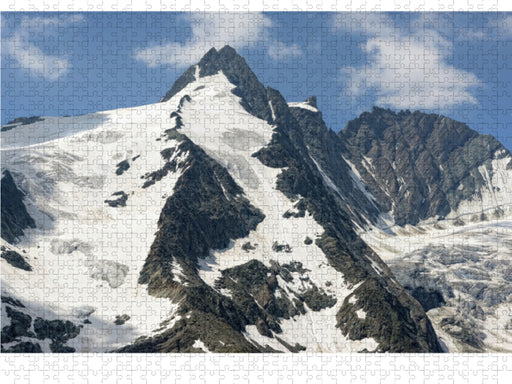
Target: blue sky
456	64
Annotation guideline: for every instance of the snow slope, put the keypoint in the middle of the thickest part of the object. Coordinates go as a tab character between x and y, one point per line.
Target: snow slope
84	252
470	266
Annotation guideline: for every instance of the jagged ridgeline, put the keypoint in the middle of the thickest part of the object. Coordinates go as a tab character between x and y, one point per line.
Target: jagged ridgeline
225	219
418	165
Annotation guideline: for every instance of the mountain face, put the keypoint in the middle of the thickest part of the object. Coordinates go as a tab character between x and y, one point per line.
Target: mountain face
224	219
446	190
418	166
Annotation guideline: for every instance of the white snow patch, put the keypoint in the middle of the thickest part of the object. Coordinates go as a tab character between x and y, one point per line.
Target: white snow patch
200	345
357	181
361	313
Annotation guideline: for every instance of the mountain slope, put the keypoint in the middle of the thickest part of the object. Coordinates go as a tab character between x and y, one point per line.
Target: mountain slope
419	165
447	189
203	222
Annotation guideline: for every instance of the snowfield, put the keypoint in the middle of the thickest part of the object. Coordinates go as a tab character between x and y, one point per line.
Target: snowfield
84	252
469	265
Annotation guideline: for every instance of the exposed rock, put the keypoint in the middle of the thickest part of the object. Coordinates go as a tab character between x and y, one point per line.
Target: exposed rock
16	260
26	120
120	201
419	165
276	247
121	319
427	298
12	301
122	167
20	324
15	217
58	331
248	247
24	347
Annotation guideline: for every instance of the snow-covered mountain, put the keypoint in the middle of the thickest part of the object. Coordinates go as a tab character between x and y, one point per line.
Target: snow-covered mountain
450	189
225	219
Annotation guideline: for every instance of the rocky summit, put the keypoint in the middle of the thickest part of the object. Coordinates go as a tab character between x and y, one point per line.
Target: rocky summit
225	219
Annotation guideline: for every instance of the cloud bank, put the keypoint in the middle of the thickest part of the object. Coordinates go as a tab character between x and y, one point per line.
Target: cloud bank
29	56
405	67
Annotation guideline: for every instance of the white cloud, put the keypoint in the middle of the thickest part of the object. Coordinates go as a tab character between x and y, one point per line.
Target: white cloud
504	26
280	51
406	67
238	30
29	56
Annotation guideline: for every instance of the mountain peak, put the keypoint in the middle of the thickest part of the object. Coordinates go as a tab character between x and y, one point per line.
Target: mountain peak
237	71
424	164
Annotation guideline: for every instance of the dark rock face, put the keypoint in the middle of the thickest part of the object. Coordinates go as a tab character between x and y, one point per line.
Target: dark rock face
120	201
206	211
420	165
386	316
24	347
12	301
428	298
121	319
20	121
248	88
6	128
58	331
20	324
15	217
327	150
16	260
179	84
407	327
254	288
213	331
121	167
26	120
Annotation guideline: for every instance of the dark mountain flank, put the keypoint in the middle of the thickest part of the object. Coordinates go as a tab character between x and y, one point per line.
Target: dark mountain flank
418	165
15	217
